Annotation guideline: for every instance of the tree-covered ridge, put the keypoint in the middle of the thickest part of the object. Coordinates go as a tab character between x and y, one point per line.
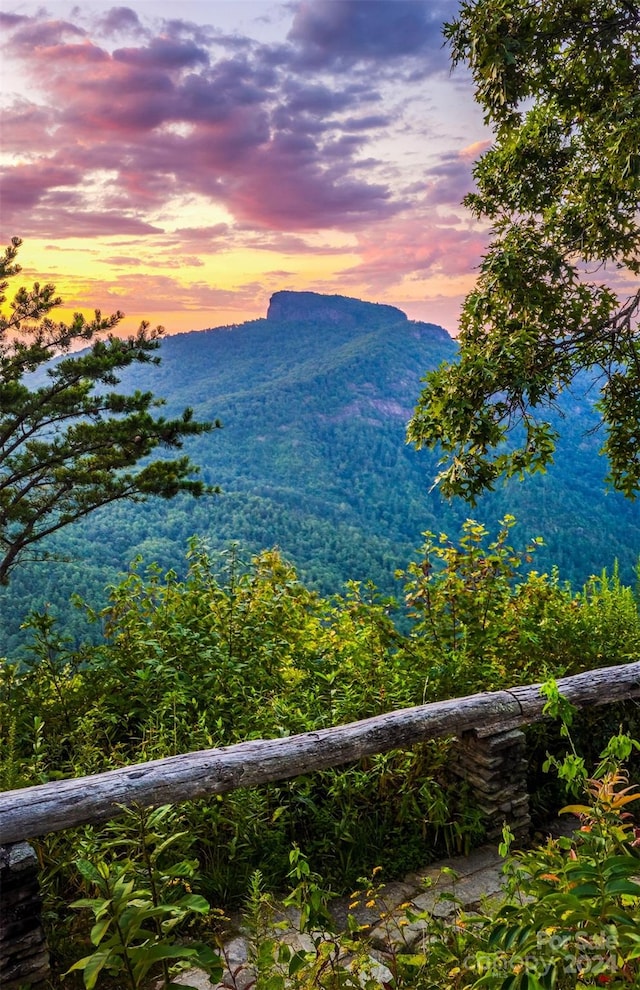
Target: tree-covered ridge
312	458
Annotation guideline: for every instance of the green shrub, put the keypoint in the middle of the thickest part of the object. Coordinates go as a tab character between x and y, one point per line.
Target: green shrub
237	650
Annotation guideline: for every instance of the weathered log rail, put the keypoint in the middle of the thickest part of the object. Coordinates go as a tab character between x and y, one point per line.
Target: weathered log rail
491	755
51	807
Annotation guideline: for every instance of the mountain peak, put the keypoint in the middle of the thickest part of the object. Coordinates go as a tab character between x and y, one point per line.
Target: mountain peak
287	307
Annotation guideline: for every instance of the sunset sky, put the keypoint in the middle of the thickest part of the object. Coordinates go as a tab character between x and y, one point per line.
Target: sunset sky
183	161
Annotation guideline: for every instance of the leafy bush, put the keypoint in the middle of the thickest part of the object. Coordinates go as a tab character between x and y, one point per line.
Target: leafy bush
234	651
141	898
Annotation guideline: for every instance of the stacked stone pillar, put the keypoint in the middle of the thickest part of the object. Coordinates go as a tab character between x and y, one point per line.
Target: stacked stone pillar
24	958
494	765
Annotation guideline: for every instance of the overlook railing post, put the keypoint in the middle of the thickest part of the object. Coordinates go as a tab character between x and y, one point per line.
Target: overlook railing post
24	957
495	766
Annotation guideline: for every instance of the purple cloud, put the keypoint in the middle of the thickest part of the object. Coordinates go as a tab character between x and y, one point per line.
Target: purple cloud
449	181
120	20
33	34
24	119
164	53
340	33
249	130
370	123
73	222
10	21
314	98
25	186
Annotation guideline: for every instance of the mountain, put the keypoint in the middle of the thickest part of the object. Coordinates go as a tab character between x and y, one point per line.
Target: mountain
299	307
312	457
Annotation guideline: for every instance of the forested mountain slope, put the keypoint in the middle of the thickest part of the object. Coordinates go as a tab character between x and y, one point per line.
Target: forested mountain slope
312	457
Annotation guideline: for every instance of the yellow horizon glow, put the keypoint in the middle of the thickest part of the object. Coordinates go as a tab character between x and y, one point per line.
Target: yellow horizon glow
239	282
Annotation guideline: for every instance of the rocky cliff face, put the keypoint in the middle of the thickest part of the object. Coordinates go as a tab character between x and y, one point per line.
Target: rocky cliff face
289	307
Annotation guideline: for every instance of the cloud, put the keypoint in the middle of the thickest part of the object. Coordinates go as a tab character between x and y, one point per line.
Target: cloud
123	135
222	236
142	293
97	224
314	99
373	121
164	53
119	20
59	216
21	121
339	34
417	246
450	179
24	185
202	34
10	21
473	151
211	234
32	34
151	261
285	189
122	261
280	273
164	115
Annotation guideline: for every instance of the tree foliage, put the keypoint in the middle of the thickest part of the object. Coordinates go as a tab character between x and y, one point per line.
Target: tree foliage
556	293
69	443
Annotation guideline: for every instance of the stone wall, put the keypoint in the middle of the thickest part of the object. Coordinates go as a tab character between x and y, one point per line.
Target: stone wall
24	959
495	767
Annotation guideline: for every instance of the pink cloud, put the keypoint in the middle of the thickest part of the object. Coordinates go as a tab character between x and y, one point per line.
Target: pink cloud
145	294
21	121
123	261
474	150
166	117
416	246
25	185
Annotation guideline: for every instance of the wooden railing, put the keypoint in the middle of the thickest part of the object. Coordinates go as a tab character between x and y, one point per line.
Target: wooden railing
489	719
51	807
